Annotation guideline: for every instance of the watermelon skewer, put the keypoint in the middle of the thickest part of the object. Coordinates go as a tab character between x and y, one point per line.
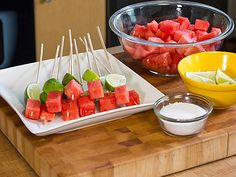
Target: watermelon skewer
73	89
32	110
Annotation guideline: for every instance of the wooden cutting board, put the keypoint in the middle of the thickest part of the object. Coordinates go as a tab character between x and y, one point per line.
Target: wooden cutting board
131	147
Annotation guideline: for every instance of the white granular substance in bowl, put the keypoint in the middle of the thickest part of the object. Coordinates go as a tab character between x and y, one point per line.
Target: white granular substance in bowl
180	110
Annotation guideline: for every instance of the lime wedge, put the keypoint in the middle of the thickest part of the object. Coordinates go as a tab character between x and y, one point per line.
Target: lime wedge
67	78
206	74
90	75
114	80
222	78
52	85
199	78
43	97
32	91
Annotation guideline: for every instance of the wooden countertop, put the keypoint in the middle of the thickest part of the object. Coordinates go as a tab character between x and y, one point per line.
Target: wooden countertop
12	163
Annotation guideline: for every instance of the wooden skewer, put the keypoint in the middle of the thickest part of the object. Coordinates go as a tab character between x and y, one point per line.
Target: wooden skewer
71	53
104	47
61	53
92	51
96	58
77	60
40	61
87	52
55	59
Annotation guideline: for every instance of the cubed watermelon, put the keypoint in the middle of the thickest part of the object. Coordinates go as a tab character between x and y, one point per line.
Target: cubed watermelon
140	52
168	26
191	27
133	98
32	110
149	34
53	102
95	89
158	62
69	110
207	36
86	106
168	49
139	31
199	33
108	102
73	90
179	33
152	26
45	115
193	49
122	95
161	34
202	25
184	22
217	30
154	49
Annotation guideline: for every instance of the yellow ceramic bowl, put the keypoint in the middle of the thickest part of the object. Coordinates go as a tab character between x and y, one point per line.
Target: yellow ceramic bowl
222	96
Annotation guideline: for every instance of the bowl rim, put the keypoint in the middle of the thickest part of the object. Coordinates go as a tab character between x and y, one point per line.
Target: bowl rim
202	85
229	29
184	94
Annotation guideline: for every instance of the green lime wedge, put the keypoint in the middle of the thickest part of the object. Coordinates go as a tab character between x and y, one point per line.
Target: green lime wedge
114	80
32	91
43	97
90	75
222	78
198	78
206	74
52	85
67	78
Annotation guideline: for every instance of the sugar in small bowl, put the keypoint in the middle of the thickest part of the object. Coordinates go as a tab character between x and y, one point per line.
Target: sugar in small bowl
182	114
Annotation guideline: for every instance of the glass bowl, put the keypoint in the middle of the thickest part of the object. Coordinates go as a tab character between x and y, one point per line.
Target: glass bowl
190	121
149	54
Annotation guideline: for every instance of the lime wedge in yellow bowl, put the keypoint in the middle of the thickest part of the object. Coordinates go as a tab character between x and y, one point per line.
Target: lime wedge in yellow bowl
222	95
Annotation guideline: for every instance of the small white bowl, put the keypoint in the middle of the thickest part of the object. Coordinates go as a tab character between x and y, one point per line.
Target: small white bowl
179	126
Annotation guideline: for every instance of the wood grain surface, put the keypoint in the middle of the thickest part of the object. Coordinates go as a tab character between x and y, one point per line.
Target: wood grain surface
131	147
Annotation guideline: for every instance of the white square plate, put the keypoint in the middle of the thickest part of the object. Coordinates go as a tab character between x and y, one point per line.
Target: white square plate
13	82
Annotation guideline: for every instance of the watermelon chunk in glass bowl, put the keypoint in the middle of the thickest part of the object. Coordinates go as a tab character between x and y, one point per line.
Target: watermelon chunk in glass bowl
158	34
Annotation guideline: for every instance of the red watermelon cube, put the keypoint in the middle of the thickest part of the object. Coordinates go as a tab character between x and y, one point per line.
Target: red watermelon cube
73	90
32	110
139	31
86	106
217	30
69	110
122	95
133	98
53	102
45	115
207	36
108	102
202	25
152	26
193	49
184	22
168	26
149	34
95	89
161	34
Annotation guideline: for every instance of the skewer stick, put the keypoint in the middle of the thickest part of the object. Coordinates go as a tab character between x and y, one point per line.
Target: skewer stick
55	59
71	53
87	52
77	60
40	61
92	51
96	57
61	53
104	47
